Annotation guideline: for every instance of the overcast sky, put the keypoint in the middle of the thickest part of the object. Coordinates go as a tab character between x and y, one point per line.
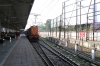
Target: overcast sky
48	9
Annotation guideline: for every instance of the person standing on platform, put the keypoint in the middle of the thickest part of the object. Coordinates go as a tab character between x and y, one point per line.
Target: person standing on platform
18	35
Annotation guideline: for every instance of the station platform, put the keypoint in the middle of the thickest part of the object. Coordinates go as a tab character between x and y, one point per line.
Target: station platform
5	48
22	54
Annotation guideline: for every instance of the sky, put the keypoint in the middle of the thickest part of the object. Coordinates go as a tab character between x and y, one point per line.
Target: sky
50	9
45	9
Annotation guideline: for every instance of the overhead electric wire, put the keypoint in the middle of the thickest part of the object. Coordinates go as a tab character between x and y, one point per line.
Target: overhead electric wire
71	15
52	7
47	5
43	5
89	9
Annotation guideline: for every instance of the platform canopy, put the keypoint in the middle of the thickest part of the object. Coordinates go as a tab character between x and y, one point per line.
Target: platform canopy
14	13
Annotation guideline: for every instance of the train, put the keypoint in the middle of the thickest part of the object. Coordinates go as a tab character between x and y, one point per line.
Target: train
32	33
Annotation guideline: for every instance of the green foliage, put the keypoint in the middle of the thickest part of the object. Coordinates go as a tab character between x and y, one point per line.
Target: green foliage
71	28
48	25
82	27
45	27
41	28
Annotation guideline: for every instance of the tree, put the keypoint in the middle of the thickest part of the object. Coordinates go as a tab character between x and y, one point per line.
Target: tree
41	28
48	24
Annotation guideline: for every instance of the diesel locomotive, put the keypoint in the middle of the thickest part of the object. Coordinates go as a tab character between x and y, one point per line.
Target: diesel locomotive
32	33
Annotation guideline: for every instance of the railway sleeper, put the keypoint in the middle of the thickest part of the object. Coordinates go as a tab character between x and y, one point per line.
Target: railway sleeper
60	55
61	43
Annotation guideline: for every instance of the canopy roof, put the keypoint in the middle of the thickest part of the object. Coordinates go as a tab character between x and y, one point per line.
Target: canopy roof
14	13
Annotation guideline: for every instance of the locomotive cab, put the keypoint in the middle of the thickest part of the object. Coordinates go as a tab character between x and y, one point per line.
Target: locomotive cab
33	33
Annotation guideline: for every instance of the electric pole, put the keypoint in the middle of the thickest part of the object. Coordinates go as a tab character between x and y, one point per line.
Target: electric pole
35	16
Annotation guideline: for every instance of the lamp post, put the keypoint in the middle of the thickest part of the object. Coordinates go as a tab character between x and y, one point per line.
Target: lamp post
35	16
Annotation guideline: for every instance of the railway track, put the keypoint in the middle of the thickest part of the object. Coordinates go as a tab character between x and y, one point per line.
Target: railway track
79	58
58	54
50	56
42	54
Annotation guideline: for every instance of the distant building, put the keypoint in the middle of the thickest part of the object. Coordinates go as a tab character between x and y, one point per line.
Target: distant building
96	26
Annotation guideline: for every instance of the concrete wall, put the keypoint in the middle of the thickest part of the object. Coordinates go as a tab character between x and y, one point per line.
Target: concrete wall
88	44
73	35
